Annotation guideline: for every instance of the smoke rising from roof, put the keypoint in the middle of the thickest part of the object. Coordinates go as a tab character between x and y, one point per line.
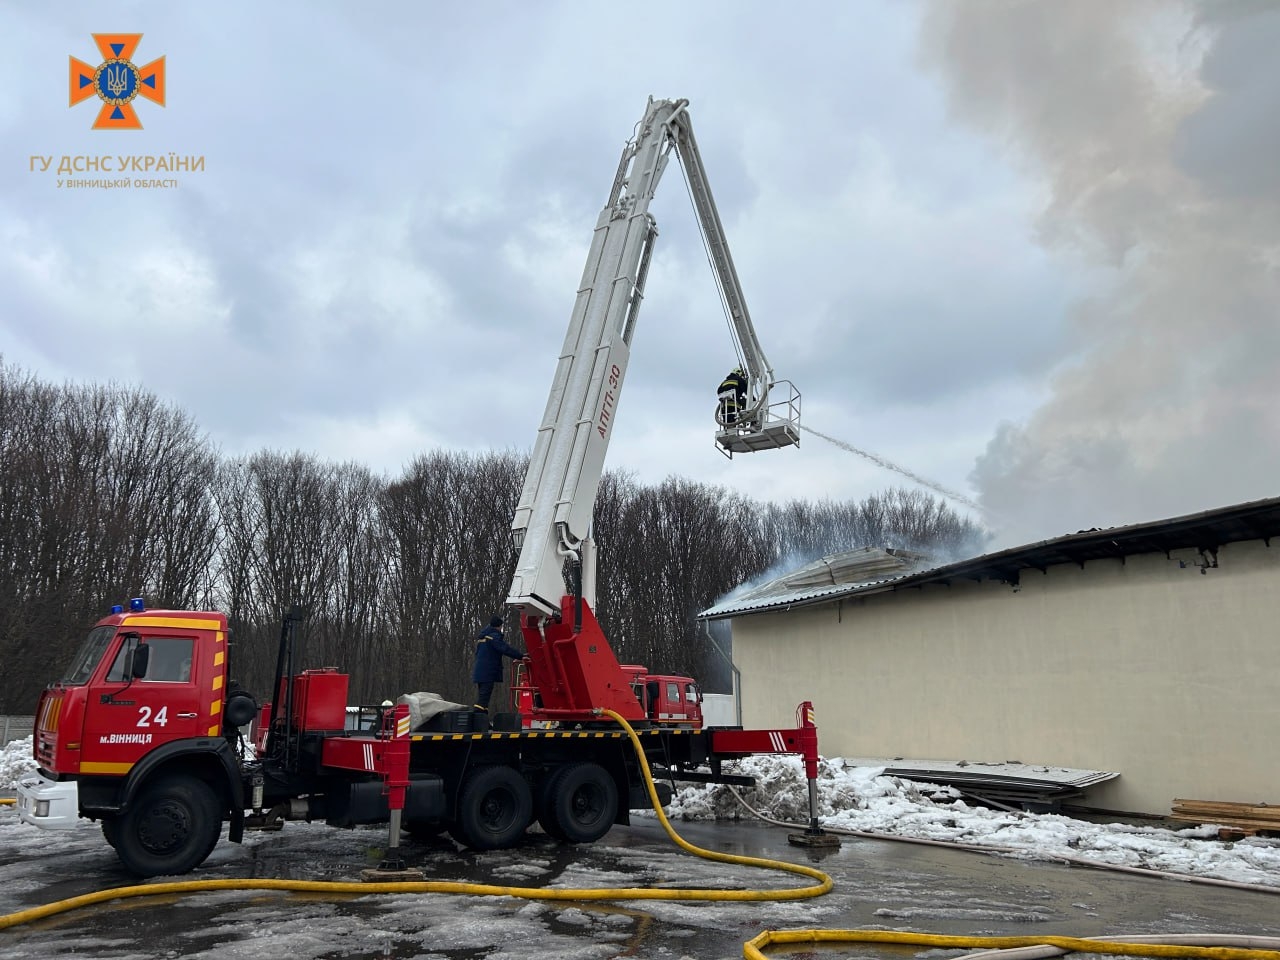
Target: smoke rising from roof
1155	129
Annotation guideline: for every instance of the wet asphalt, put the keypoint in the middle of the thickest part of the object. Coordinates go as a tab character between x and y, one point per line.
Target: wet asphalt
878	885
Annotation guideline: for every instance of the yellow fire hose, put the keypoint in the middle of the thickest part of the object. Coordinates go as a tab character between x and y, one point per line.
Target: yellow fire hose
7	801
750	950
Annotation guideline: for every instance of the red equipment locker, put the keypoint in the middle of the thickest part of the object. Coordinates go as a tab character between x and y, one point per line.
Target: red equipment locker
320	699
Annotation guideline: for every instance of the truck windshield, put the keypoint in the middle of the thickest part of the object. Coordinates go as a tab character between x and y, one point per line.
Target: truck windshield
89	654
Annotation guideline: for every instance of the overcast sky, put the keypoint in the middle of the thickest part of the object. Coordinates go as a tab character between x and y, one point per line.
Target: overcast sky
1030	251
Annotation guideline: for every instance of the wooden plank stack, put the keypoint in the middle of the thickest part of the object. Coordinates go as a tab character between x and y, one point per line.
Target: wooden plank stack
1235	819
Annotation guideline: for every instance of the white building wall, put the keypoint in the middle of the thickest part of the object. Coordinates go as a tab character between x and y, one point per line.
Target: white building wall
1148	667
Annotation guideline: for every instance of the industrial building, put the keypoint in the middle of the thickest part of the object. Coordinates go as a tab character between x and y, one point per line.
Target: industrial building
1123	668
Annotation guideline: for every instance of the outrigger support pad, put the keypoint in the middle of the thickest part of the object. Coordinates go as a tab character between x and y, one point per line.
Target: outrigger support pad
814	836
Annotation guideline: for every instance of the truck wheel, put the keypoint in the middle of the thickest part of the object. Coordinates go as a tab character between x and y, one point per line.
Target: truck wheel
579	804
494	808
109	830
543	804
170	827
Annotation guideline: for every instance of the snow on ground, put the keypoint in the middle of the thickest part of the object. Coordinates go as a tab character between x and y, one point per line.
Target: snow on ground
15	763
864	800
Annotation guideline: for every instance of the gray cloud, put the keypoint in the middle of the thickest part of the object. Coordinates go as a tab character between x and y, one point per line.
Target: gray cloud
383	252
1230	144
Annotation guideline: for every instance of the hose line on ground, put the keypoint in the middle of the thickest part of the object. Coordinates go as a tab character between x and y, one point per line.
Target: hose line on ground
999	849
1044	951
1032	947
1170	947
823	885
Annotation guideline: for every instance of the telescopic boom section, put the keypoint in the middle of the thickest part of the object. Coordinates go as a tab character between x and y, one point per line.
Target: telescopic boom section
771	415
553	518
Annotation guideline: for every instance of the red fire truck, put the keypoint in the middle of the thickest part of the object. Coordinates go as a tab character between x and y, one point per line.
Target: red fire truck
142	733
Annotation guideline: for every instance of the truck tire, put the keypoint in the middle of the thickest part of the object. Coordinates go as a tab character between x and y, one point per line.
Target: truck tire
580	802
109	830
494	808
169	828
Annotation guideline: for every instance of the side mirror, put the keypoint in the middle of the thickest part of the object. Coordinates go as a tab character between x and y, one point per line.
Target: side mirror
141	657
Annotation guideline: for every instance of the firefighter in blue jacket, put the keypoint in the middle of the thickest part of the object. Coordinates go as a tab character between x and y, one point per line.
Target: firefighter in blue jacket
490	649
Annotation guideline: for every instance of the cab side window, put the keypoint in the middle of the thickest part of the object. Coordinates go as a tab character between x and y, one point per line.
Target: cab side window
170	660
116	673
673	692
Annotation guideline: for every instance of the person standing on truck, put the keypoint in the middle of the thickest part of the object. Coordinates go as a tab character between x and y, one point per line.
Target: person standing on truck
490	649
732	395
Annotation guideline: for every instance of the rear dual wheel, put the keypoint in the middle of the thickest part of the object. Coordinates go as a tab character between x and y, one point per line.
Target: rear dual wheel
494	809
578	803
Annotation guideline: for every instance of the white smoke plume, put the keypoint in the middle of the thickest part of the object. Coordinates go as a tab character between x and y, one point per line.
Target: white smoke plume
1155	129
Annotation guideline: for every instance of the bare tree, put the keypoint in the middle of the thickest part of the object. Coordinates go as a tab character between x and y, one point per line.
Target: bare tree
670	551
296	531
448	523
800	530
106	493
105	496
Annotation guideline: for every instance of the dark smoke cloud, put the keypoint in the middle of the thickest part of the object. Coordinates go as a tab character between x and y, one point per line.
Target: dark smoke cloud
1156	131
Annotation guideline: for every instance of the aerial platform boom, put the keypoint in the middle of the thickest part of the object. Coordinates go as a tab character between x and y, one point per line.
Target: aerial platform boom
552	520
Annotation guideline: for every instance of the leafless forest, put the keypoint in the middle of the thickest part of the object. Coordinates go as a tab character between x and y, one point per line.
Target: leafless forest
106	493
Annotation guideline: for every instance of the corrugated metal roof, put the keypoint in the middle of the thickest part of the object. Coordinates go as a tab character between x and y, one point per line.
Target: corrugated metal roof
749	605
1205	532
820	577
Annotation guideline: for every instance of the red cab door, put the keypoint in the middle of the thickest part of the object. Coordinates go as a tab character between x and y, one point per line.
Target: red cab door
129	716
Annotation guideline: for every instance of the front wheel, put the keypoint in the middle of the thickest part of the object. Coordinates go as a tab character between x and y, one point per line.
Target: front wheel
170	828
494	809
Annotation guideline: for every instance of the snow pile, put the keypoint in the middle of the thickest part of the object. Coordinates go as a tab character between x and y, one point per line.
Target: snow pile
782	792
864	800
15	763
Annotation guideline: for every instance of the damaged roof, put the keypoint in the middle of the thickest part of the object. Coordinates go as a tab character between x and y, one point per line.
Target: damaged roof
1205	532
821	578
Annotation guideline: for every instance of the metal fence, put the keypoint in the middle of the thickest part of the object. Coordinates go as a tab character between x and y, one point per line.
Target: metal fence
15	728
